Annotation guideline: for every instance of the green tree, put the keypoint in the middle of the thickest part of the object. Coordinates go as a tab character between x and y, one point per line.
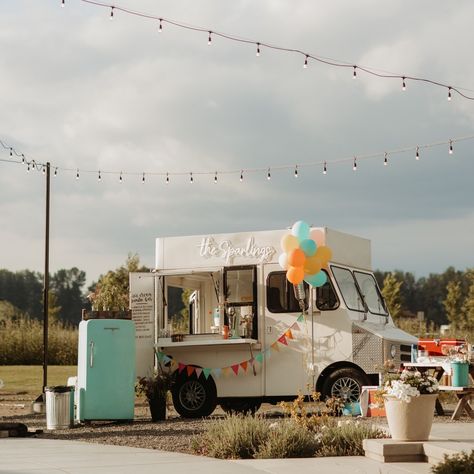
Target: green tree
391	293
111	292
468	305
452	304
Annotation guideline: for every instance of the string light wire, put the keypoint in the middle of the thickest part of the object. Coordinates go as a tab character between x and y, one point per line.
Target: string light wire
321	59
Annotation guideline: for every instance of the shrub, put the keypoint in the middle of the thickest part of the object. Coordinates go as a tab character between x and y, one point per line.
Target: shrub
234	437
288	440
461	463
21	343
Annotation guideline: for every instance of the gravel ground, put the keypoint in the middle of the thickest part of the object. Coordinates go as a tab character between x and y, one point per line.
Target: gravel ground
174	434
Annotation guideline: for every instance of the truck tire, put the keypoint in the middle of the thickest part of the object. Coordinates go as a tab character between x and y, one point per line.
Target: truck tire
194	397
345	383
242	406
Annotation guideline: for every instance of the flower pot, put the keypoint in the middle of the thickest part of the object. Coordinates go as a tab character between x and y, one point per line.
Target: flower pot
460	372
410	421
157	408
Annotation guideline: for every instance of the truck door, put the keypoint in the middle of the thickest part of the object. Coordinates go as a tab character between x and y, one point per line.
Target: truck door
288	369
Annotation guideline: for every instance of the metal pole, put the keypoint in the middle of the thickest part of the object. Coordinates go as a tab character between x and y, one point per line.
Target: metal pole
46	283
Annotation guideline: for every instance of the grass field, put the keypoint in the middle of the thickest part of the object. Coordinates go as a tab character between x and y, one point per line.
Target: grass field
28	379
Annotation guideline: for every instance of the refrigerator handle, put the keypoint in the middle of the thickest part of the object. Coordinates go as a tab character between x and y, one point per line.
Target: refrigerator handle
92	354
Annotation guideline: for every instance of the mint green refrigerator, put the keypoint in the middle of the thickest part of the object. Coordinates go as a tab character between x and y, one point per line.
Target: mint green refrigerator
106	370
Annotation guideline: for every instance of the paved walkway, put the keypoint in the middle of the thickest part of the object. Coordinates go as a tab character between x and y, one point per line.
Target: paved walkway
44	456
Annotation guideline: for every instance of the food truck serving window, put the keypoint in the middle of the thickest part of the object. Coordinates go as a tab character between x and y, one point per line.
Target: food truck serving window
280	294
370	292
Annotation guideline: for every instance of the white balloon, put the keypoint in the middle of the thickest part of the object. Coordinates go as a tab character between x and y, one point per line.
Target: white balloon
283	261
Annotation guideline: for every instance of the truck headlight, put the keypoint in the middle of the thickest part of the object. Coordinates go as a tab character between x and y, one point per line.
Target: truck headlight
393	351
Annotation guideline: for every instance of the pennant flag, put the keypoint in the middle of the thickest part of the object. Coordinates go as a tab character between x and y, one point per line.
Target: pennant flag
206	372
295	327
251	361
226	371
244	365
235	368
217	372
181	367
190	370
300	318
289	334
166	359
160	355
259	357
198	372
282	340
274	346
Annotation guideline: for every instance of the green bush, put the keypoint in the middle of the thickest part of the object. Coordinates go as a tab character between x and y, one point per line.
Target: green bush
21	343
234	437
288	440
461	463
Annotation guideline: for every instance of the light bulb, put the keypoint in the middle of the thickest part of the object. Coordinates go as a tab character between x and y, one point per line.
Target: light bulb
191	179
62	3
43	169
305	65
160	28
404	86
354	166
325	169
121	178
143	178
11	152
55	171
258	49
167	179
99	178
296	171
209	40
417	155
449	93
22	159
450	147
215	178
111	13
269	176
354	74
241	175
77	174
28	169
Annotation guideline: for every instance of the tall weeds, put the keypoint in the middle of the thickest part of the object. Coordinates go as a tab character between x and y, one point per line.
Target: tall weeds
21	343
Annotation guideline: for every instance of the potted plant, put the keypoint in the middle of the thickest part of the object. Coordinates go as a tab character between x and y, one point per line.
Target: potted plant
107	303
409	399
156	388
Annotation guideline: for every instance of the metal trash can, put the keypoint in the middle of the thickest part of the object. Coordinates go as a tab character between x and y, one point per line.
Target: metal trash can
58	407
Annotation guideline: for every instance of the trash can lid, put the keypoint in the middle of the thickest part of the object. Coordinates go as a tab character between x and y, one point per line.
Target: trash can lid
58	389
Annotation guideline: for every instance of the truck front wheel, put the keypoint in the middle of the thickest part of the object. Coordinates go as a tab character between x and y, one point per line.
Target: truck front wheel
345	383
194	397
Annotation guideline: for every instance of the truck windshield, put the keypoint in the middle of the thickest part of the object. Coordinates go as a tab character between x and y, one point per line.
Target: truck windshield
371	293
347	285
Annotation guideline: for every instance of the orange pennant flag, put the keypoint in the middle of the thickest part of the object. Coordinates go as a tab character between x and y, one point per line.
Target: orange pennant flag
226	371
282	340
235	368
289	334
189	370
244	365
274	346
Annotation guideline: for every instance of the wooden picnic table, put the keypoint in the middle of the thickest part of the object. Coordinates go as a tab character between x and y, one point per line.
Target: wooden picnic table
464	395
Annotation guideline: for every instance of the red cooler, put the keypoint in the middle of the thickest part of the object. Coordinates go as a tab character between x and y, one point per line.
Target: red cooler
434	347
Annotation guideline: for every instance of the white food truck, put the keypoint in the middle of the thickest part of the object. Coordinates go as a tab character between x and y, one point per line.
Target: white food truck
219	311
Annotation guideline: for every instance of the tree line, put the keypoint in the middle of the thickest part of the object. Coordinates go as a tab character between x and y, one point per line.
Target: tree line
444	298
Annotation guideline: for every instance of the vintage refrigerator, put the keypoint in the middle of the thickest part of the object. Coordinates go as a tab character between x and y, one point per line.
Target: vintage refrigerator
106	370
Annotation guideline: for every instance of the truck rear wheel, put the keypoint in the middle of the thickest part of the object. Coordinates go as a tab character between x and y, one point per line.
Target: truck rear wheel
345	383
243	406
194	397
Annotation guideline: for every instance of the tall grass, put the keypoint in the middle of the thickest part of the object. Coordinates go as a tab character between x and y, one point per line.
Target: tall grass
21	343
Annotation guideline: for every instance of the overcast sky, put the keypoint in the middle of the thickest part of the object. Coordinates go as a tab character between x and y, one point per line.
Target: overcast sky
81	91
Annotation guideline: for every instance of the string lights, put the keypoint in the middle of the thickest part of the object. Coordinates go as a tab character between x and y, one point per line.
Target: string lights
259	44
18	158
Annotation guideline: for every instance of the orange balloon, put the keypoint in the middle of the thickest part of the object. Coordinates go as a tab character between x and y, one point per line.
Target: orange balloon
324	254
295	275
296	258
312	265
289	242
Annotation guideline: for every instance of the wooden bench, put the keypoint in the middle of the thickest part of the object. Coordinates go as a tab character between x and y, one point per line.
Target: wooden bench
464	395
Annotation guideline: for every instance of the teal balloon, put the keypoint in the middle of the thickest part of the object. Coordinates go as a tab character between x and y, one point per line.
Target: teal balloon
309	247
300	230
318	279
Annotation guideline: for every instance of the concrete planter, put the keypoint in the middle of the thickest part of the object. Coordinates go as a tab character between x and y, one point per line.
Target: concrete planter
410	421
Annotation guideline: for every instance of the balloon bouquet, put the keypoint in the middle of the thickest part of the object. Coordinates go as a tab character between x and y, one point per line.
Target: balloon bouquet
304	255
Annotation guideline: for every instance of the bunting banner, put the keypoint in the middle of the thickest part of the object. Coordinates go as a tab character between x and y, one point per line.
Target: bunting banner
240	367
